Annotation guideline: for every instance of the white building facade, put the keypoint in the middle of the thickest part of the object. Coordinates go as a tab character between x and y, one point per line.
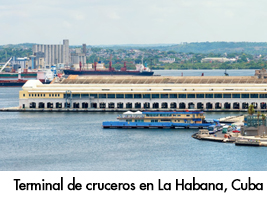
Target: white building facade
112	94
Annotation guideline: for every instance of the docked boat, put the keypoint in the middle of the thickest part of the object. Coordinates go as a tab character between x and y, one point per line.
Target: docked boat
25	74
161	119
19	82
44	78
141	70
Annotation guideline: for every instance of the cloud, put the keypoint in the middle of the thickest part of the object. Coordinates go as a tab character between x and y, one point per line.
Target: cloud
139	21
113	15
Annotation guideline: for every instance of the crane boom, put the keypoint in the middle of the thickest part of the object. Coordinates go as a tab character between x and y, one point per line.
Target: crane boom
5	65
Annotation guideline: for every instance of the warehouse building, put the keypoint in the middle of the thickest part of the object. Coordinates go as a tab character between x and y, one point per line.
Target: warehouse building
146	93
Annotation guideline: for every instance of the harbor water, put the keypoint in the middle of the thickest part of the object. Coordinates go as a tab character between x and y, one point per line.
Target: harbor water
76	141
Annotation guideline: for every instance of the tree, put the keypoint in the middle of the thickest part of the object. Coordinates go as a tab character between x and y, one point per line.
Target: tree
251	110
263	119
258	116
263	122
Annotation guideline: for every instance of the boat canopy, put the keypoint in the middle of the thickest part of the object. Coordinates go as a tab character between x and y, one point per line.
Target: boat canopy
137	113
128	113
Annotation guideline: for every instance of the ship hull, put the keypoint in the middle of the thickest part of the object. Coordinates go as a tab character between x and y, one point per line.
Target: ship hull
15	75
118	124
17	83
115	73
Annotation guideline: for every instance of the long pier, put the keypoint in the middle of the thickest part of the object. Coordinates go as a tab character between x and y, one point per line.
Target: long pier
18	109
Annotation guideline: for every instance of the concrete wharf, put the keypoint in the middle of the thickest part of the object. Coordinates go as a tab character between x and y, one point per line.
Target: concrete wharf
232	119
235	138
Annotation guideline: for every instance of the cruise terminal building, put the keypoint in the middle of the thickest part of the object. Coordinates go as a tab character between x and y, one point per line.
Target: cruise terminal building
120	93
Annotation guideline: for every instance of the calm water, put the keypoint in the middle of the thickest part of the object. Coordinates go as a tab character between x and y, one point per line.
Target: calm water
76	141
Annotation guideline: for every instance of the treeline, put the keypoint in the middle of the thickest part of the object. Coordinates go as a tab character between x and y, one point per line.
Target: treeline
6	53
185	66
250	65
218	47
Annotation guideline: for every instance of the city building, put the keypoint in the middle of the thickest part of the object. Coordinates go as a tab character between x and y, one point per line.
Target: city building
167	60
221	60
254	125
39	60
147	93
79	56
15	63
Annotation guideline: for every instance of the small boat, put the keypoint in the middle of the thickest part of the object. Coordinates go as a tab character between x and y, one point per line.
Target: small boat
160	119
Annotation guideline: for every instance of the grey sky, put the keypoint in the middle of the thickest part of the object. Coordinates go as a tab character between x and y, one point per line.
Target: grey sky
132	21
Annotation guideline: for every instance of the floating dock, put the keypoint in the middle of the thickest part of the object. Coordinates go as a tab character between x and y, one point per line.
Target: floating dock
216	137
247	142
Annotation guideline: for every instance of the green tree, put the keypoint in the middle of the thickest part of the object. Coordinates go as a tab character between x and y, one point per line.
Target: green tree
251	110
263	119
258	117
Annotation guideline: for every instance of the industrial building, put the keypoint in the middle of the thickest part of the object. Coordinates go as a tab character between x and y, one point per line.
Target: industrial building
79	56
16	62
146	93
53	53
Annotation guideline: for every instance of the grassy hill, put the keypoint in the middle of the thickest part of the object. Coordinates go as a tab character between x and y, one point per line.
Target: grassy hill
17	46
219	47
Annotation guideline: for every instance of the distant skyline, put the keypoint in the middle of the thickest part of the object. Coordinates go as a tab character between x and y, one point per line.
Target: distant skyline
119	22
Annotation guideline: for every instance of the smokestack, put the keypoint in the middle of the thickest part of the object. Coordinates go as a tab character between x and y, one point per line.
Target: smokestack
19	73
95	65
110	65
110	62
80	66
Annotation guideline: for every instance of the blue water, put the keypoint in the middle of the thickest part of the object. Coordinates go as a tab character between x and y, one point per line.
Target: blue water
76	141
232	72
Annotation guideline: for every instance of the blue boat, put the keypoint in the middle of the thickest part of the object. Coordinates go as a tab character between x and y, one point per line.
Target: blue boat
160	119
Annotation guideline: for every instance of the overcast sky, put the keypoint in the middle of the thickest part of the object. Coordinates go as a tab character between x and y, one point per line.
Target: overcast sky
96	22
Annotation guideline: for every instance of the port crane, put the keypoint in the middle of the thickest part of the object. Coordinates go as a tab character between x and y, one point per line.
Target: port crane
5	65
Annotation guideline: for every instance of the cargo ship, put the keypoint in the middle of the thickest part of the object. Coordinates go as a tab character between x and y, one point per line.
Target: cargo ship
41	76
14	75
160	119
141	70
19	82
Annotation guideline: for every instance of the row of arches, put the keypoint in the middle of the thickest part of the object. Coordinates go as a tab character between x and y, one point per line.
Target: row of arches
148	105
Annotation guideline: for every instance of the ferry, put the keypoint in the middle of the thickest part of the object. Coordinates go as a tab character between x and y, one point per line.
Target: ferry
160	119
